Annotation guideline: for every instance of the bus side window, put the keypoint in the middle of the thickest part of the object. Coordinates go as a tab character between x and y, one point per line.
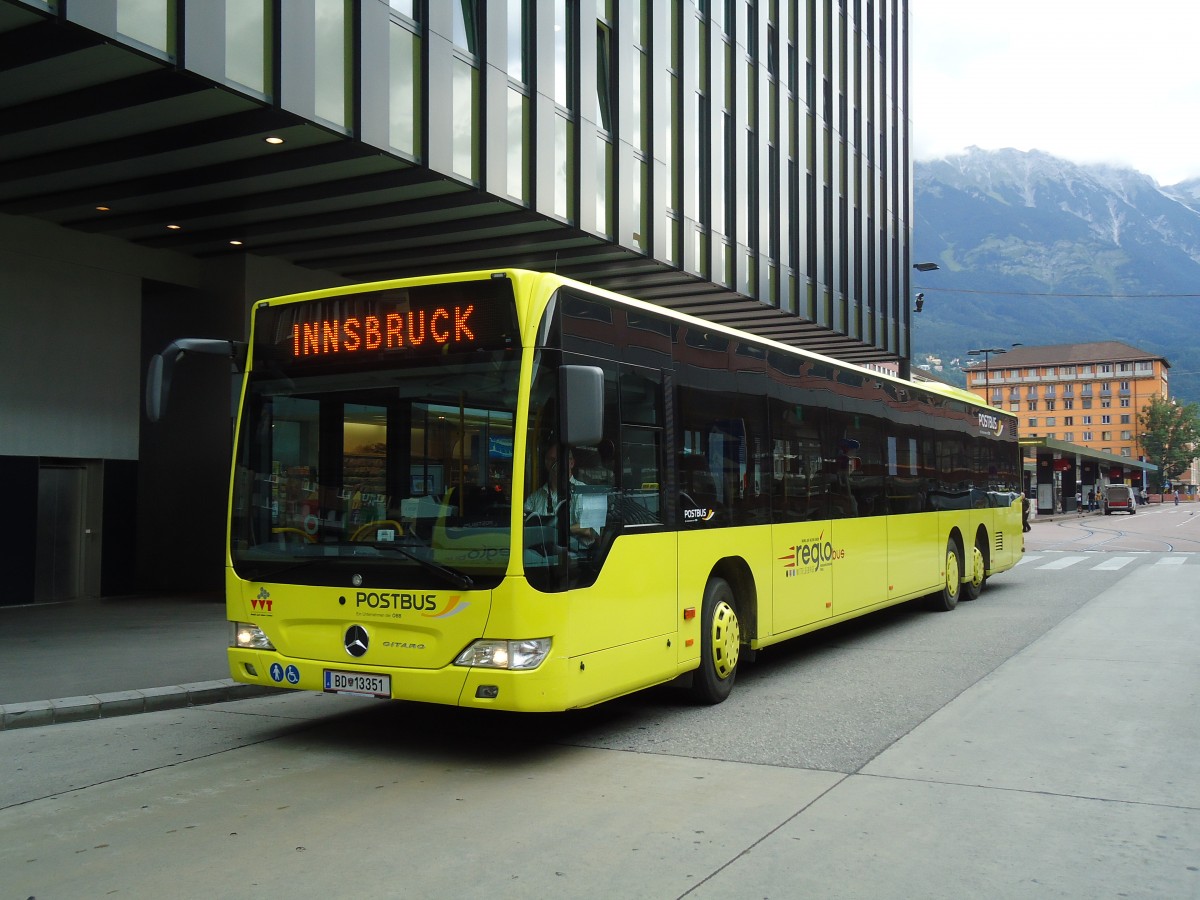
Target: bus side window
639	500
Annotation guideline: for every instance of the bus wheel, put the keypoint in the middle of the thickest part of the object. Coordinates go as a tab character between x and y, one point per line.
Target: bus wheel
947	598
977	575
720	644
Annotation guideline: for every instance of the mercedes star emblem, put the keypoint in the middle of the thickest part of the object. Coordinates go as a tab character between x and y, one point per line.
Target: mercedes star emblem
356	640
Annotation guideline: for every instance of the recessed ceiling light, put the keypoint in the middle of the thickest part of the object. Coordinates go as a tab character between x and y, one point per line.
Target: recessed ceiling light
273	140
102	208
174	227
236	243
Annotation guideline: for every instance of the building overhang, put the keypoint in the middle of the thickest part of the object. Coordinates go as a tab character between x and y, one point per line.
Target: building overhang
103	139
1077	453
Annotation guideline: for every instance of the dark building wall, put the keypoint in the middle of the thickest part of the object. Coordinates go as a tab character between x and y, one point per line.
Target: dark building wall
18	537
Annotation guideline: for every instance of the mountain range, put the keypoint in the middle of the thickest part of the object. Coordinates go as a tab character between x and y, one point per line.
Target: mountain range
1036	250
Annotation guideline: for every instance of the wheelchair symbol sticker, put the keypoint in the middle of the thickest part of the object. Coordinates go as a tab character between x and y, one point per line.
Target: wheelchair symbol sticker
293	675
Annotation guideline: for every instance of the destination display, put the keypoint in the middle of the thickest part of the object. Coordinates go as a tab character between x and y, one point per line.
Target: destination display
392	323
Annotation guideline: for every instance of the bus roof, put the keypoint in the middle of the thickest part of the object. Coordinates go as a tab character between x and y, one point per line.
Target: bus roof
944	390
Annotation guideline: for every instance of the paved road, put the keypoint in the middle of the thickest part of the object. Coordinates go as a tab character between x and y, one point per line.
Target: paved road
1154	527
1039	742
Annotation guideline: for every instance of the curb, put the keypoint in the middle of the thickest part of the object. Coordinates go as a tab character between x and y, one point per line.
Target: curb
36	713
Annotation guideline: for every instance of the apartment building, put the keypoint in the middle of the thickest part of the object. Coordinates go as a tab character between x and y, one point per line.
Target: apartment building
1084	394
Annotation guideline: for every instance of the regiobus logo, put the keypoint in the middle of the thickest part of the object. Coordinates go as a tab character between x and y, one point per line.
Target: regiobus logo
810	556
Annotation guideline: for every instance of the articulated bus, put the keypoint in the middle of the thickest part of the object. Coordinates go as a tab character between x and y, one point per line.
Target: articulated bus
509	490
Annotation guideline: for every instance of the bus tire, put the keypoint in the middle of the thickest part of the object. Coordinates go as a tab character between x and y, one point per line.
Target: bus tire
946	599
977	574
720	644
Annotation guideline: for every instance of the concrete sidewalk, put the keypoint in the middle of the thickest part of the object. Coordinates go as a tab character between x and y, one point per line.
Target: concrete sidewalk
63	662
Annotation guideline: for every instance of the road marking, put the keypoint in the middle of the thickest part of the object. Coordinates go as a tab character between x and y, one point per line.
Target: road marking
1172	561
1117	562
1063	563
1025	559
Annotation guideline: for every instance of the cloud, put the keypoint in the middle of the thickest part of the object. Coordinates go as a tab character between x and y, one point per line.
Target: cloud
1087	80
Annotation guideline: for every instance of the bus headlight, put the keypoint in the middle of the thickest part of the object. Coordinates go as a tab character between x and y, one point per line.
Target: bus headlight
248	636
505	654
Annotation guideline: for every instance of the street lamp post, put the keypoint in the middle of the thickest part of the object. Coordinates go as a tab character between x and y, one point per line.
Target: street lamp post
905	362
986	353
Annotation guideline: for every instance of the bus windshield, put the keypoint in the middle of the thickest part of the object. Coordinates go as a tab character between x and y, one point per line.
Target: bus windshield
376	439
340	475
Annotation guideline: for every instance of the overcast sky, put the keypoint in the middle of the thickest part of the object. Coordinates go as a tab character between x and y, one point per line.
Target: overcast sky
1114	81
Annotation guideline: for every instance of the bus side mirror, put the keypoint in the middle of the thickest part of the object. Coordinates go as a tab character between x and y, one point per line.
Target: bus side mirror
582	390
158	375
157	385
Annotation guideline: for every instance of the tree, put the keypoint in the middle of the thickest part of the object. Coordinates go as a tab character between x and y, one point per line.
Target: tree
1170	434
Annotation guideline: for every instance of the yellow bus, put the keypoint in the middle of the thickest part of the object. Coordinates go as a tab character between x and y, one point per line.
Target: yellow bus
402	525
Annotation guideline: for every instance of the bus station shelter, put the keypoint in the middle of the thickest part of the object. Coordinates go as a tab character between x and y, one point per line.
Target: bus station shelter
1055	471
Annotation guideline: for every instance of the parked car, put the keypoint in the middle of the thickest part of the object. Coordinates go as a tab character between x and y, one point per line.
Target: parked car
1119	497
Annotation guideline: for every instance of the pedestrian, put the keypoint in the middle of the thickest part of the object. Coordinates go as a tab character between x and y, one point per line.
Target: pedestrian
1177	497
1025	513
1092	500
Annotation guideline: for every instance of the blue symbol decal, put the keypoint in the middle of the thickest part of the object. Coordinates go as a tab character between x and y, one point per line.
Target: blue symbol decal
276	672
293	675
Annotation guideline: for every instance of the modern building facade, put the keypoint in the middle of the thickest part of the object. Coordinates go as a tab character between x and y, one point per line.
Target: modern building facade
166	163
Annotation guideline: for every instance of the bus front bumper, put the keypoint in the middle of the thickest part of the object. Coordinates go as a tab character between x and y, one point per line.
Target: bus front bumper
537	690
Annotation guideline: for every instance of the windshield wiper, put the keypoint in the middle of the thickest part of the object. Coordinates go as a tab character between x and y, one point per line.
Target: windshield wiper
459	579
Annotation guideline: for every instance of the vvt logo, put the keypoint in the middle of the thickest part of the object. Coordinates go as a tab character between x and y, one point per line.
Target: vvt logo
262	601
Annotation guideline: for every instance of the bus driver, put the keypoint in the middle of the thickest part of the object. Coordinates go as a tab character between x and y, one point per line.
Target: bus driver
544	501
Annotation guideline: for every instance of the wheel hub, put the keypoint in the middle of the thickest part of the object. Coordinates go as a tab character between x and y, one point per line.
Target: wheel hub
977	567
726	640
953	574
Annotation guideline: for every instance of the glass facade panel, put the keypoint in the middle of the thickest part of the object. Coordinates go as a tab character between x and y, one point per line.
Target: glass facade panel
564	167
562	75
517	41
330	67
518	145
603	76
466	25
603	180
404	93
403	6
634	91
247	39
636	198
466	104
151	22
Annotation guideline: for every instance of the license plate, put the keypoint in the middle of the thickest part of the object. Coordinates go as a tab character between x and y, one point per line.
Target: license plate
358	683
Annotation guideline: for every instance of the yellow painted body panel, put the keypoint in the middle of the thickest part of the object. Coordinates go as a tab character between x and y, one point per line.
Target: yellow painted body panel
633	599
802	574
916	554
638	625
699	552
631	629
861	569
